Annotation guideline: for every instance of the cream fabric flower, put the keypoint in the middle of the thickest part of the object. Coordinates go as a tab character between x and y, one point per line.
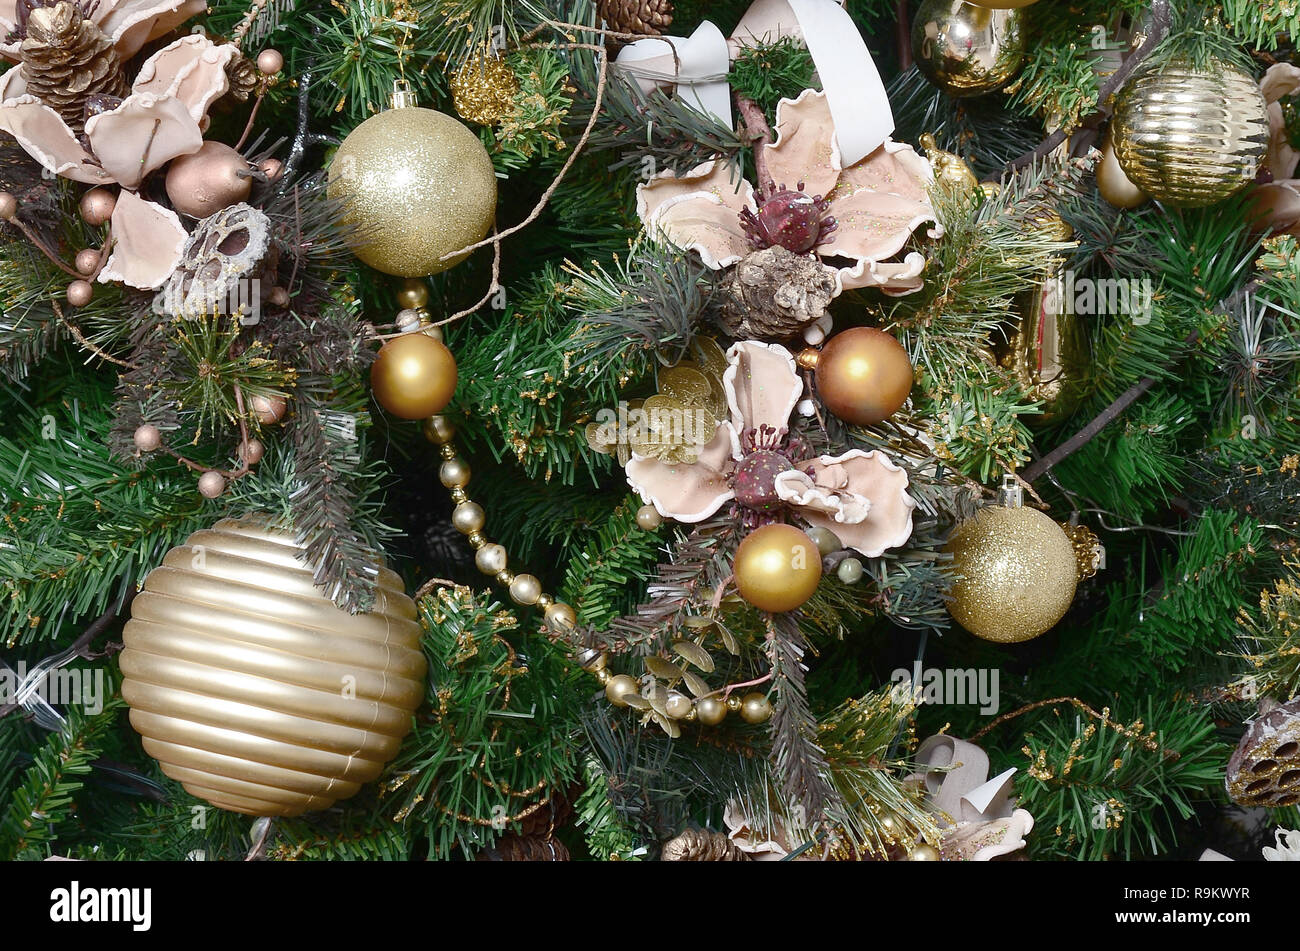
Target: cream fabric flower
1278	202
876	204
860	496
128	23
158	122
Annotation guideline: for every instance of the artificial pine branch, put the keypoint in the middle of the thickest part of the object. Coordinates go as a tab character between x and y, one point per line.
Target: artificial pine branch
797	759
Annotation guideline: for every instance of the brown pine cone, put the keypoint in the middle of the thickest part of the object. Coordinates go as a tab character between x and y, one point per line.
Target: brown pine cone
775	293
525	848
636	16
701	845
67	59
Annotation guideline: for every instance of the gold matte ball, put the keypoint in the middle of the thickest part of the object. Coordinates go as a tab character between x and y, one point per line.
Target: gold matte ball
202	183
1190	137
755	708
710	711
777	568
863	375
252	689
1018	573
414	376
1116	187
418	185
968	50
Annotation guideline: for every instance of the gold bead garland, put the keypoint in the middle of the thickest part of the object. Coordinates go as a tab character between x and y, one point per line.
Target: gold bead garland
491	558
622	690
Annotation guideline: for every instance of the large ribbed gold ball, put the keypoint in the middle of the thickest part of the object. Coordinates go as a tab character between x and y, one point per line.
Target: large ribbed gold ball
1018	573
1190	137
417	185
777	568
863	375
252	689
968	50
414	376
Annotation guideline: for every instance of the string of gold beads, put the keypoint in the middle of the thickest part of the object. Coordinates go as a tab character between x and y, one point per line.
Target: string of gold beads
491	558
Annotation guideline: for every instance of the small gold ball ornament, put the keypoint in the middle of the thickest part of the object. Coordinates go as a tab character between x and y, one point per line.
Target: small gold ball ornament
235	666
1018	572
923	853
418	186
1116	187
414	376
965	49
1190	136
648	518
863	375
777	568
619	688
755	708
710	711
484	89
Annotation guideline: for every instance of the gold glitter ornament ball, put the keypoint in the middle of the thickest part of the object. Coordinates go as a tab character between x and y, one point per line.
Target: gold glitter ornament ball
1018	574
252	689
418	185
1190	137
484	89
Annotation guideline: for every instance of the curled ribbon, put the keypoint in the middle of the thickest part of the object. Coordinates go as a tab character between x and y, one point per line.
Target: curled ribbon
978	813
698	65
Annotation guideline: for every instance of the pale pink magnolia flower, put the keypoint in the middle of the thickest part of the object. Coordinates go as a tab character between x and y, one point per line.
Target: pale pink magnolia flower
752	459
159	121
1278	201
856	219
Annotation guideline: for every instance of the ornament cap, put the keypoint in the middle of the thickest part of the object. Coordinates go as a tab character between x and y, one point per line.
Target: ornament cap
1012	494
403	96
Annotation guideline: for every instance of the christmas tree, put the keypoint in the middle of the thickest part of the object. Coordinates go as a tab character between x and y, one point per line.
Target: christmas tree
649	430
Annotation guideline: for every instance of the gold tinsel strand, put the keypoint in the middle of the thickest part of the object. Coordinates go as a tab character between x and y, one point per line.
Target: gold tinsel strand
483	90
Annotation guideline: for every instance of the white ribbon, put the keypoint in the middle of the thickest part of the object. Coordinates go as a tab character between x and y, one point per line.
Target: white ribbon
854	90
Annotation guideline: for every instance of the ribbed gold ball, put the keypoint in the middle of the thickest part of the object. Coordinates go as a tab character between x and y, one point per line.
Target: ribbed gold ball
418	185
863	375
1190	137
1018	573
413	376
252	689
777	568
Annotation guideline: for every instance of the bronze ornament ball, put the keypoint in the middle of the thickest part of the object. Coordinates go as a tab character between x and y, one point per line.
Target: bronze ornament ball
863	375
252	688
206	181
777	568
414	376
418	185
1018	574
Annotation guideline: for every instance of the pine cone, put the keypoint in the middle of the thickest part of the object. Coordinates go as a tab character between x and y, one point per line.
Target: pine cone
242	75
775	293
701	845
67	59
525	848
636	16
